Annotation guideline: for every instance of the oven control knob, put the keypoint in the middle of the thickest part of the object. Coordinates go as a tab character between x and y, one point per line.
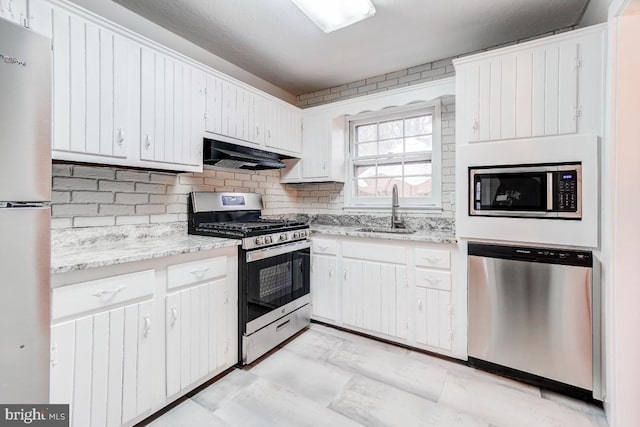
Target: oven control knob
267	240
259	241
283	237
296	235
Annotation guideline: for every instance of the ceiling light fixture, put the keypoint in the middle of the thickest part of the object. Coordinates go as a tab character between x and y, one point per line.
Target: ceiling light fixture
331	15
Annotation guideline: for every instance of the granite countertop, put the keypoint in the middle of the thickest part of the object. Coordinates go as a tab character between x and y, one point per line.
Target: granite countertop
82	249
431	236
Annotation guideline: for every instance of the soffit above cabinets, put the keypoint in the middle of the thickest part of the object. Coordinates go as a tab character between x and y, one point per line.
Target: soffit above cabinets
277	42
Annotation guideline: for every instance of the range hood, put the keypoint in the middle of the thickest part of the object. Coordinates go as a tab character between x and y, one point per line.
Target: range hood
232	156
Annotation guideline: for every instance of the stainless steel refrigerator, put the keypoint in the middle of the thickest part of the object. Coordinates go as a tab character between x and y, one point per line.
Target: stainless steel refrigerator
25	189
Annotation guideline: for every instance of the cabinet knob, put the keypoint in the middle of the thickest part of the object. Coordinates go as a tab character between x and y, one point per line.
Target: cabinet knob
475	126
345	274
147	326
174	316
147	141
120	136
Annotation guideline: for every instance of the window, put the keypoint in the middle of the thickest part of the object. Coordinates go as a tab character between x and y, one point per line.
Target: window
402	148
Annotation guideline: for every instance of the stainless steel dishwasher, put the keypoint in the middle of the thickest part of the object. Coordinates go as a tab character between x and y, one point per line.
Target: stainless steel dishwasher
534	316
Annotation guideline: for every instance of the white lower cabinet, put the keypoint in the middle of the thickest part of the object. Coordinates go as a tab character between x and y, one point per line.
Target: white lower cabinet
102	363
200	329
385	290
324	287
116	340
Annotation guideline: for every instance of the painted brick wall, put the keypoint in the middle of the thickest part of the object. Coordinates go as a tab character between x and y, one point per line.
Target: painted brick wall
86	196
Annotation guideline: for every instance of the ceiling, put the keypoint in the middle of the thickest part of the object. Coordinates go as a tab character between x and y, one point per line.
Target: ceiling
275	41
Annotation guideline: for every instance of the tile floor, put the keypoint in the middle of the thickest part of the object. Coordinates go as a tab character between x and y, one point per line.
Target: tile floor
326	377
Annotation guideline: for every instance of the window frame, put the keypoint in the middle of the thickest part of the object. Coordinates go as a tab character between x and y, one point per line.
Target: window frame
413	203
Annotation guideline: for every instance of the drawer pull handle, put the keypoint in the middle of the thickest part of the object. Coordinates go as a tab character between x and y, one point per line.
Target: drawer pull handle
147	326
282	325
174	316
432	281
433	260
113	292
323	248
200	273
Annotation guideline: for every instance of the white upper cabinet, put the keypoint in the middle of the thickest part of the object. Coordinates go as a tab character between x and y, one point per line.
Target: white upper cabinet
121	99
172	110
92	82
546	87
323	149
14	10
243	116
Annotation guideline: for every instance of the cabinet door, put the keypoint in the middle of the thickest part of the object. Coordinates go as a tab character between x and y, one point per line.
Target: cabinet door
92	85
172	110
102	365
14	10
375	297
260	120
433	317
315	146
324	287
229	105
521	94
213	121
201	332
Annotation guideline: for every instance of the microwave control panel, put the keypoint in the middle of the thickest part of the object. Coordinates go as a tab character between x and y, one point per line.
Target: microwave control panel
567	184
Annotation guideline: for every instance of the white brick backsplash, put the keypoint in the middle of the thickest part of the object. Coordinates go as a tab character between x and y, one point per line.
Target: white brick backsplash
60	197
150	188
91	197
150	209
191	180
131	198
60	170
73	209
164	178
116	186
117	210
59	183
90	172
125	175
57	223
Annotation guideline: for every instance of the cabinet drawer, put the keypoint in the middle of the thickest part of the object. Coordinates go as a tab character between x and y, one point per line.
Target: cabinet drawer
75	299
373	252
196	271
434	279
324	246
433	258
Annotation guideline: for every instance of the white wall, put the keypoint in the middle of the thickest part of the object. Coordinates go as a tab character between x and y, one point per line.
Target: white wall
623	352
146	28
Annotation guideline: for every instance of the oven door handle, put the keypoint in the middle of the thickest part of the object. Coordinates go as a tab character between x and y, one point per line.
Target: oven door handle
277	250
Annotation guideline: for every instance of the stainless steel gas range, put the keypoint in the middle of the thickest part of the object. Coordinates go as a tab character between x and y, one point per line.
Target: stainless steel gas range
273	267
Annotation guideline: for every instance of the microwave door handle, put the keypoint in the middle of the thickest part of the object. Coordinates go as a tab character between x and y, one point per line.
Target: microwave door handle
550	176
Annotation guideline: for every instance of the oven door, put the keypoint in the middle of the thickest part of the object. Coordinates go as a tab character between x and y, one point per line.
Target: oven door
277	282
526	191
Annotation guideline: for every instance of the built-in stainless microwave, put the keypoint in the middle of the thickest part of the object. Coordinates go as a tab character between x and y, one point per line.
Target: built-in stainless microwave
531	191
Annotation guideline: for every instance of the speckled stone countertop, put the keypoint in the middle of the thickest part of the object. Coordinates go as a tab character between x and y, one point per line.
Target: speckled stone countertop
428	229
85	248
431	236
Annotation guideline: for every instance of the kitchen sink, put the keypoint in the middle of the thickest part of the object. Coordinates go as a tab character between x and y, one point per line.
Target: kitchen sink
386	230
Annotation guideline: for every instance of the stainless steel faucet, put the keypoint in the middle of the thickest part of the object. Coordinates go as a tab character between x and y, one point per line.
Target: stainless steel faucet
396	222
